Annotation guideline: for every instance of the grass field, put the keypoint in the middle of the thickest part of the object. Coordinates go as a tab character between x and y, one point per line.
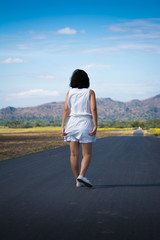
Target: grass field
153	132
10	130
18	142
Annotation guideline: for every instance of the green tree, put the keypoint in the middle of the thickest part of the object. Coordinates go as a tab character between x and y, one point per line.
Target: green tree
135	124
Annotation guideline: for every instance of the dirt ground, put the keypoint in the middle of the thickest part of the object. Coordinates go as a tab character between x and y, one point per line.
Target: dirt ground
22	143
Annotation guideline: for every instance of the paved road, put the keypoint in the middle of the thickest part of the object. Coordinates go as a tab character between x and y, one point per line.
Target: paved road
39	200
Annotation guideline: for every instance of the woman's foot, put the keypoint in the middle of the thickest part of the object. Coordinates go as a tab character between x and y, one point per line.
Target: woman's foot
85	181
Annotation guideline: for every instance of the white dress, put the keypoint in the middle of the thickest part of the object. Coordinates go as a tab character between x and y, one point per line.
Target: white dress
79	122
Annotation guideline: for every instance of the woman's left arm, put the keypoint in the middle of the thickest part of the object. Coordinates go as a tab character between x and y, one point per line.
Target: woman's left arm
94	112
65	115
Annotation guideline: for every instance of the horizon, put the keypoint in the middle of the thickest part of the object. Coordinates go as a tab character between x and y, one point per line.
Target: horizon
43	42
96	98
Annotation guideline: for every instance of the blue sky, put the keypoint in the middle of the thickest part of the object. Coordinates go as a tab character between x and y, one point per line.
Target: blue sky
42	42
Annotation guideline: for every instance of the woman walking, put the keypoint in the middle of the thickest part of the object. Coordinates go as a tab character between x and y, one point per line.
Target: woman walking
81	110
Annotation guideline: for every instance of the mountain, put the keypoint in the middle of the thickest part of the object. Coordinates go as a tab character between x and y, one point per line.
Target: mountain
108	110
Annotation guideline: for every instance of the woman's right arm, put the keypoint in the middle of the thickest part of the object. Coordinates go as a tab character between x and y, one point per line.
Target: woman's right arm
65	115
94	112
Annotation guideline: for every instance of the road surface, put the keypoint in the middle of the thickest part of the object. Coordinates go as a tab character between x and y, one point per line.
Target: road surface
39	200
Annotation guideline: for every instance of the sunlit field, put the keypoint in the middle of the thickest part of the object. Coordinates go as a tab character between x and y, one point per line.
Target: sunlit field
153	132
10	130
22	141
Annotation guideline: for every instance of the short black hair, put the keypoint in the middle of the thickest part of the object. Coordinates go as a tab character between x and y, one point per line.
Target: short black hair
79	79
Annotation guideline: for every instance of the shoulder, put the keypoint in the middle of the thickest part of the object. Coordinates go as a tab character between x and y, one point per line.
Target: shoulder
91	92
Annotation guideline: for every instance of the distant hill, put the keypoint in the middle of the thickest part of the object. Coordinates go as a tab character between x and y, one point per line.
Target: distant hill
108	110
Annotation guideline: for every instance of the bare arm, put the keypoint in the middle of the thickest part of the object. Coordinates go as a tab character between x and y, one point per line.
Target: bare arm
94	112
65	115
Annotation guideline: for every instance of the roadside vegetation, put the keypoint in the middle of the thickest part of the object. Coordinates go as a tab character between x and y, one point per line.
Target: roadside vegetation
18	138
153	132
155	123
22	141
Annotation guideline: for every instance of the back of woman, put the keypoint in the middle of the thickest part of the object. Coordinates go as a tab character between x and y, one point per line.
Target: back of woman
80	111
80	121
79	102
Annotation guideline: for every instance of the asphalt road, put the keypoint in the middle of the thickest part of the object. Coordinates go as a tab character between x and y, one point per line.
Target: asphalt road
39	200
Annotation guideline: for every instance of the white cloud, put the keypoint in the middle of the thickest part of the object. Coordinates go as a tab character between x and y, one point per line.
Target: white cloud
101	50
46	77
13	60
34	93
90	66
137	25
141	35
39	37
124	47
115	28
66	30
133	36
140	46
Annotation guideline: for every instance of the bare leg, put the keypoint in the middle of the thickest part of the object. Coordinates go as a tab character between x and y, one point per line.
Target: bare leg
74	158
87	153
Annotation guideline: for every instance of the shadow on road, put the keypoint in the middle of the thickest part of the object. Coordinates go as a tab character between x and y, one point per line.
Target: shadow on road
125	185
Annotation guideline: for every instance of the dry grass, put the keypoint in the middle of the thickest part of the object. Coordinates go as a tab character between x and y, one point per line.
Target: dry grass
153	132
109	133
18	144
14	144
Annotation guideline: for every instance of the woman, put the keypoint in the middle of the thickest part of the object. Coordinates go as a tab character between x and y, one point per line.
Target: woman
81	127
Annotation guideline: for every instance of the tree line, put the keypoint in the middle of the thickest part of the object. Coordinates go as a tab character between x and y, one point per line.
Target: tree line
29	124
155	123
